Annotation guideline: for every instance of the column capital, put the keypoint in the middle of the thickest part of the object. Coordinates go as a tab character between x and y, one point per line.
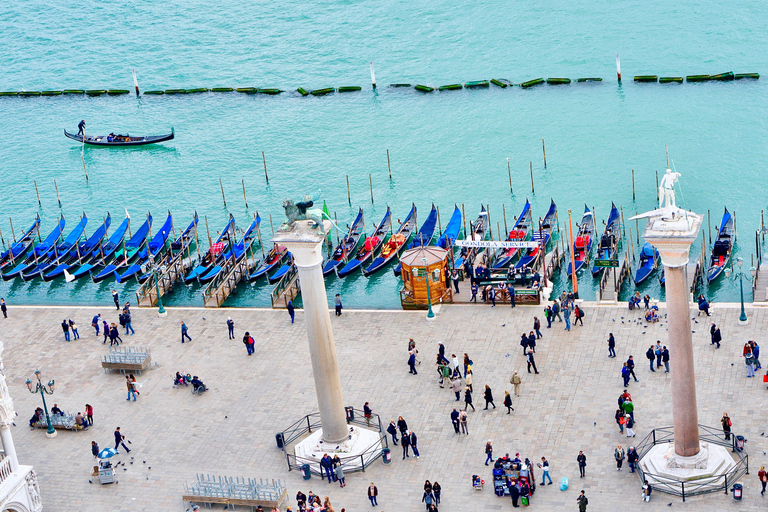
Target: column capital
304	241
671	232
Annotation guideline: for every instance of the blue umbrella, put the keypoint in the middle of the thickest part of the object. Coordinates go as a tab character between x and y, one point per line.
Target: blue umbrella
107	453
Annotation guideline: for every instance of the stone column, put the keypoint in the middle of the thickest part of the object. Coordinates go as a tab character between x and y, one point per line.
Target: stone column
672	233
7	416
305	244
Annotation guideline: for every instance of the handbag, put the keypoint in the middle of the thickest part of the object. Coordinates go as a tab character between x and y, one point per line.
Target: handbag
765	378
524	501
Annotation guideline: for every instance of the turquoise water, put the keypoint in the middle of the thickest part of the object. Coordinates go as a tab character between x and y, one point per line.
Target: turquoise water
447	148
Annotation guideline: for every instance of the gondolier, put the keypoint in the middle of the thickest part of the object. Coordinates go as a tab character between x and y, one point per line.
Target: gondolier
81	128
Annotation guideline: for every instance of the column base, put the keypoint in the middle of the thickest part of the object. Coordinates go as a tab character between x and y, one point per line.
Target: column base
51	436
361	442
744	322
163	314
703	472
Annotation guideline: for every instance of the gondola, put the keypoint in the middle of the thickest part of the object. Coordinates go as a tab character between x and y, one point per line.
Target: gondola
274	278
119	140
371	244
721	250
152	246
477	232
185	239
649	258
346	246
34	255
582	246
81	252
56	254
423	237
227	258
394	244
521	231
20	246
101	254
124	256
609	242
272	259
451	231
543	235
214	252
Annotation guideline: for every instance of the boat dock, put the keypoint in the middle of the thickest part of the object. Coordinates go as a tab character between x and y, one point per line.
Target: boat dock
760	281
612	279
693	273
287	288
225	283
164	279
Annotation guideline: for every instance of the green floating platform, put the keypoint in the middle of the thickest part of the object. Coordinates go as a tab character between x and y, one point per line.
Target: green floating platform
670	80
323	91
593	79
222	89
96	92
30	93
349	88
424	88
697	78
50	93
269	91
73	91
9	93
117	92
197	90
302	91
500	82
646	78
153	93
399	85
246	90
723	76
558	81
478	84
531	83
450	87
740	76
175	91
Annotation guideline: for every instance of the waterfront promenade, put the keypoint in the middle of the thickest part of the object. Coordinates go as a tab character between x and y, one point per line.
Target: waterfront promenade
230	429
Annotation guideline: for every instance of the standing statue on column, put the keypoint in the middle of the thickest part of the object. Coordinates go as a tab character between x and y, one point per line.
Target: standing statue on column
667	189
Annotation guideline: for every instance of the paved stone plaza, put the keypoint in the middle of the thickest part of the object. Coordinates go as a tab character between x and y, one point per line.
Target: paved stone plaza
230	430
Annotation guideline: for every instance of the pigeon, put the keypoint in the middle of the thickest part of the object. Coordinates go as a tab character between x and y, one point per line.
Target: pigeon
90	481
613	319
669	504
762	434
131	458
131	462
503	325
125	469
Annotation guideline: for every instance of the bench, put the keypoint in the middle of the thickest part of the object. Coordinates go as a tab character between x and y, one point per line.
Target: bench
131	359
60	421
228	491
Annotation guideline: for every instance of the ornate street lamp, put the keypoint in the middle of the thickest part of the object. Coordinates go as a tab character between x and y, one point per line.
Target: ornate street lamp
741	275
35	387
430	313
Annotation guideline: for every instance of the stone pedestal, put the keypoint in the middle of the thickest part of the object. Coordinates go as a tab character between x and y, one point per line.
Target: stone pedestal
305	244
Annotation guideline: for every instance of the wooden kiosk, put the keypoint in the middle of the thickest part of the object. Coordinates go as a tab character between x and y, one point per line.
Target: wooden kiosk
419	266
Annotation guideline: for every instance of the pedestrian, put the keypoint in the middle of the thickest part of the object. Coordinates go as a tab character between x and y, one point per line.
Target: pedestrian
291	310
441	353
4	308
619	416
531	362
131	388
665	358
647	301
65	328
524	343
556	311
95	323
545	471
429	499
651	357
89	413
467	364
537	327
512	294
763	477
703	305
532	341
412	362
414	446
463	418
514	493
436	490
628	406
632	458
583	501
184	332
116	299
657	350
468	381
548	316
73	326
327	465
368	413
582	460
474	290
455	279
727	424
405	441
749	360
248	342
625	374
392	430
468	398
95	451
630	422
127	317
114	335
337	303
488	452
402	426
455	361
127	307
373	493
619	455
231	328
455	420
488	395
456	387
567	315
491	294
714	332
631	366
508	402
106	331
516	381
611	345
756	354
120	440
578	314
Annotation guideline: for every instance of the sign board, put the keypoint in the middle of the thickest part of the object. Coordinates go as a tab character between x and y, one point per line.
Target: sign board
518	244
607	263
526	292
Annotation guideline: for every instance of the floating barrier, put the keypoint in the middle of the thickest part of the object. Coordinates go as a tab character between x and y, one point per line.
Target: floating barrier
175	91
399	85
117	92
197	90
498	83
30	93
302	91
350	88
268	91
9	93
247	90
671	79
95	92
558	81
646	78
723	76
531	83
450	87
50	93
697	78
739	76
593	79
322	92
73	91
153	93
479	84
424	88
222	89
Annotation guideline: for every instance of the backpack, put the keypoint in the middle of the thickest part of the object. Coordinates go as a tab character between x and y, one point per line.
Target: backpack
649	354
580	313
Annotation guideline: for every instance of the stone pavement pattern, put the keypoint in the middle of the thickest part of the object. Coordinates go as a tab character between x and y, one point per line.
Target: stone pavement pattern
230	430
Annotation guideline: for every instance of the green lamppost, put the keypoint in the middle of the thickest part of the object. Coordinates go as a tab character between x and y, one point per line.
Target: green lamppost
430	313
160	308
743	320
43	390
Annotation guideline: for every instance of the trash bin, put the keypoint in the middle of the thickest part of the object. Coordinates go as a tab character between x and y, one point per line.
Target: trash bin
737	492
279	440
350	413
306	474
740	440
387	455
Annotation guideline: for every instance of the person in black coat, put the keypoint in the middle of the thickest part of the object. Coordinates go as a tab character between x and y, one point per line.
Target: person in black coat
405	440
524	343
488	397
392	430
468	399
532	341
402	426
514	493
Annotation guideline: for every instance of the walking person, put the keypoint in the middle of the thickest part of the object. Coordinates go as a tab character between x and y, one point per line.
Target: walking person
373	493
131	388
429	499
755	354
436	490
516	381
619	416
545	471
463	420
402	426
631	366
455	279
120	440
392	430
4	308
455	420
578	314
582	460
456	387
650	356
548	316
508	402
184	332
414	446
512	294
611	345
116	299
106	331
665	358
531	362
73	326
231	328
367	413
714	332
412	362
619	455
556	311
249	343
95	451
583	501
128	327
95	323
524	343
474	290
491	294
537	327
763	477
567	315
632	458
337	303
625	374
488	452
89	414
291	310
468	398
488	395
727	424
532	341
114	336
65	328
629	422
